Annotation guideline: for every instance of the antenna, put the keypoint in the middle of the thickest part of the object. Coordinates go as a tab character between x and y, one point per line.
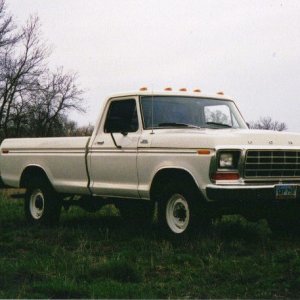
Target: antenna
152	110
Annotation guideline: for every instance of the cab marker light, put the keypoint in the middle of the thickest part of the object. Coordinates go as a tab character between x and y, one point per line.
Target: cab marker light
220	93
168	89
197	91
144	88
182	90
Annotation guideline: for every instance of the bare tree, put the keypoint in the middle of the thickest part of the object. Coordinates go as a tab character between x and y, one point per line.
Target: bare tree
8	39
22	65
8	36
33	100
84	130
58	94
71	128
268	124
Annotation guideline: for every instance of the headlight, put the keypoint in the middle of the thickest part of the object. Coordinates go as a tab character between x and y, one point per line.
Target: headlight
226	160
229	159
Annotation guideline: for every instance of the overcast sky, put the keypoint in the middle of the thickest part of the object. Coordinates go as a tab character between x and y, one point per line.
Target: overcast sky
248	49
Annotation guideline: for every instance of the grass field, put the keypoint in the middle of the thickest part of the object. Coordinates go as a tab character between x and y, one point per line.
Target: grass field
100	256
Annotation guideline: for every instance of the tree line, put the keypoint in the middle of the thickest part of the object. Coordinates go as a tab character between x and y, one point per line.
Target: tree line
34	100
267	123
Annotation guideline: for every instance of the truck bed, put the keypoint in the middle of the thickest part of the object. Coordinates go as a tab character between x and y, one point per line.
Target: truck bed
62	159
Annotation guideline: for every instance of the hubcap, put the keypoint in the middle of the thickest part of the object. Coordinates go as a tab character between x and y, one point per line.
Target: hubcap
177	213
36	204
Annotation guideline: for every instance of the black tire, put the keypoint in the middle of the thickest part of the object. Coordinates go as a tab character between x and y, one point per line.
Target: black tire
181	209
137	212
42	204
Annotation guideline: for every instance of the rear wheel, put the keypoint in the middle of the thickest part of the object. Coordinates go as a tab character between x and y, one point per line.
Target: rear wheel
42	204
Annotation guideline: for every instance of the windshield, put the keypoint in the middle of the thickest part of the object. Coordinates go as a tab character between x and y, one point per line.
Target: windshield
177	111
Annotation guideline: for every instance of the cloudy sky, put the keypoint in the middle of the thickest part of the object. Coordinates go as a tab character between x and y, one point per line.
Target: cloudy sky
248	49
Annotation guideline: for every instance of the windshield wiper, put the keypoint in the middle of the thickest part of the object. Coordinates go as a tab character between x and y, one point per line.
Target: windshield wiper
177	125
219	124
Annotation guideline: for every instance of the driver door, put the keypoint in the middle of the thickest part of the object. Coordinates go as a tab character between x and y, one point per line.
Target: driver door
113	154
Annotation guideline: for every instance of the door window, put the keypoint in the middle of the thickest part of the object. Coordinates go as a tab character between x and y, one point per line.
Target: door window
122	117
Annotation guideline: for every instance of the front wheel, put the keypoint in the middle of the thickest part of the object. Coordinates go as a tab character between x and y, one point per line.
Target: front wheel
42	204
181	210
177	213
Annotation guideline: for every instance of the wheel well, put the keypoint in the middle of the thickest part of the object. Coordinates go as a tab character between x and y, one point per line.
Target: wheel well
29	173
167	175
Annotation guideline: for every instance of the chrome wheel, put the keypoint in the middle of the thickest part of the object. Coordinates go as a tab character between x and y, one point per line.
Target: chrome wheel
177	213
37	204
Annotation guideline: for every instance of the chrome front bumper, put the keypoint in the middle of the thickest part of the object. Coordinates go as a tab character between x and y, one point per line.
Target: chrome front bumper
243	193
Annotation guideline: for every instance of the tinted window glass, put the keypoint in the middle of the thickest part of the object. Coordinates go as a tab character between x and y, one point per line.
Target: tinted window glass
172	111
122	117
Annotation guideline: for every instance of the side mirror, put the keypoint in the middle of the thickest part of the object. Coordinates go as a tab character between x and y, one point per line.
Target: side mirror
248	125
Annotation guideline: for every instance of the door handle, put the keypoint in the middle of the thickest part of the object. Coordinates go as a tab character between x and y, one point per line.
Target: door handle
100	143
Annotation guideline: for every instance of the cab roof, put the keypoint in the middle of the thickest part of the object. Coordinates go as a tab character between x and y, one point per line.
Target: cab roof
170	93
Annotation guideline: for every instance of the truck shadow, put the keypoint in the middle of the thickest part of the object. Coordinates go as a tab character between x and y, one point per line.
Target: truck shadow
102	226
229	228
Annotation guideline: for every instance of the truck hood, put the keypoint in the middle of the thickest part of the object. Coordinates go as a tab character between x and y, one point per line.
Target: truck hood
220	138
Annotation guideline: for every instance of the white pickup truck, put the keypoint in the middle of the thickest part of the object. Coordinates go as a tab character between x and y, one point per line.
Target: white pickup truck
190	156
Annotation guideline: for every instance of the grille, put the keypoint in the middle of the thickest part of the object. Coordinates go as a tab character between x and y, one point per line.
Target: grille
272	164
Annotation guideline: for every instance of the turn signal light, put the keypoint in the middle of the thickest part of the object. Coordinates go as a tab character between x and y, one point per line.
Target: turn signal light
226	176
203	151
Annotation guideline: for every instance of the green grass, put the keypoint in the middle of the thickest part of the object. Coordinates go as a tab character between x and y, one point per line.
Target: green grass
100	256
